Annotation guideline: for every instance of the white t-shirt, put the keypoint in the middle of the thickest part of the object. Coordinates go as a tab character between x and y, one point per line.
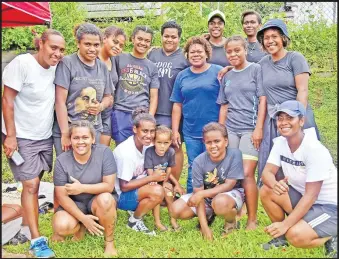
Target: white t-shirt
130	162
34	104
311	162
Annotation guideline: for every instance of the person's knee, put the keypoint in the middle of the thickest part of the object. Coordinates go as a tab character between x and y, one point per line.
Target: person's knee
157	193
31	186
62	225
220	204
175	210
265	192
296	237
105	201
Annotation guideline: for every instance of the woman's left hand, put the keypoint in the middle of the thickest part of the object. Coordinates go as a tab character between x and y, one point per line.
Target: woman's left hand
94	108
257	138
276	229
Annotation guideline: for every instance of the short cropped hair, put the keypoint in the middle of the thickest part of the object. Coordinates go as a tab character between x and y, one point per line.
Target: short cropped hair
171	24
81	124
250	12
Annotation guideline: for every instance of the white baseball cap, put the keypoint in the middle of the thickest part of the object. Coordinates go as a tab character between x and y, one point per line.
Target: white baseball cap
217	13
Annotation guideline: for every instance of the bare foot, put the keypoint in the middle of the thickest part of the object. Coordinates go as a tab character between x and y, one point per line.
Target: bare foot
80	234
251	225
161	227
207	233
242	212
57	238
110	249
229	228
174	224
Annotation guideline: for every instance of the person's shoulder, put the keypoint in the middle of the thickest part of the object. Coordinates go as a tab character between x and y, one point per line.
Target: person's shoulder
184	72
101	147
264	59
216	67
70	59
295	54
27	57
65	156
101	64
201	159
150	150
124	148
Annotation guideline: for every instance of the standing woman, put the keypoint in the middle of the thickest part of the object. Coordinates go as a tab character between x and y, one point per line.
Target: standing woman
113	44
251	23
83	87
243	108
138	84
27	120
285	77
194	96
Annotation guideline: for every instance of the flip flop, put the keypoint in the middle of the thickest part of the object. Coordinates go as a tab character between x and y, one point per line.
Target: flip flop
229	229
178	228
163	230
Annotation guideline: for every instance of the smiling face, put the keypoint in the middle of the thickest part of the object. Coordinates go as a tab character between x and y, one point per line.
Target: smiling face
236	53
197	55
52	50
273	41
288	126
215	144
114	45
141	43
162	143
82	140
251	25
145	133
216	27
89	47
170	39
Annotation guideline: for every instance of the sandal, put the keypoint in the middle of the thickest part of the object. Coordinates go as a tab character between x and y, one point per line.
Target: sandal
229	228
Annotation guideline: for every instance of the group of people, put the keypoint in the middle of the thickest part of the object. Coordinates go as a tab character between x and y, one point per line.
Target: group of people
236	102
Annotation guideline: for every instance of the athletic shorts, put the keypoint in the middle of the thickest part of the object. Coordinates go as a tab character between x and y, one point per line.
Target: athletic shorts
321	217
244	143
86	206
38	157
122	125
236	194
106	122
128	200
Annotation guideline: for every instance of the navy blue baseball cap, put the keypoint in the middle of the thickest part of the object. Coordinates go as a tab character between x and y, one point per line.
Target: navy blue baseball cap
293	108
277	23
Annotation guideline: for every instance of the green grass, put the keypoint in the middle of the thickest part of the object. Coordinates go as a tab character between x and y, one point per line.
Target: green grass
188	242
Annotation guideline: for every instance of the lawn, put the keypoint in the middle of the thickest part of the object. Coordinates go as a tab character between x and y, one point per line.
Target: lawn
188	242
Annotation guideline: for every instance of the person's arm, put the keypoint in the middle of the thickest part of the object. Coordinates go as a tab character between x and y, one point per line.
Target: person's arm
301	83
126	186
223	71
97	107
76	187
258	131
268	175
305	203
62	116
176	116
223	113
153	100
177	188
69	205
10	142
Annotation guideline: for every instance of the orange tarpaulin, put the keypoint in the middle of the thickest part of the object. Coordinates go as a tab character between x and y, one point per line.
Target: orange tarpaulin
25	14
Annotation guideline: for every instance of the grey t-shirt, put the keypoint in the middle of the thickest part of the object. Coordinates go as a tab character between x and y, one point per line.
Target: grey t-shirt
208	174
84	84
114	77
168	69
255	52
278	77
241	89
218	56
136	78
154	161
101	163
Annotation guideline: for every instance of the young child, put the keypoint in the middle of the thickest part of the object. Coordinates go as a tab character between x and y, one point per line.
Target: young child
217	175
158	158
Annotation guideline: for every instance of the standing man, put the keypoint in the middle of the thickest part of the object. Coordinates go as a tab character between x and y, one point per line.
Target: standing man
251	23
216	25
170	60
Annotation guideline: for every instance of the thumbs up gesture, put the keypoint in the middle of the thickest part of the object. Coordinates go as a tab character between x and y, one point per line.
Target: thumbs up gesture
74	188
281	187
94	108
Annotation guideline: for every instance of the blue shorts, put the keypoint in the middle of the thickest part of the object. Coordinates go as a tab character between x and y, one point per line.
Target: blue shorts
128	200
122	125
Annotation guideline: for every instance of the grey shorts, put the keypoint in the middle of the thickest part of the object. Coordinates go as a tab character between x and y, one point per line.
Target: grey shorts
38	156
244	143
321	217
57	142
236	194
106	122
86	206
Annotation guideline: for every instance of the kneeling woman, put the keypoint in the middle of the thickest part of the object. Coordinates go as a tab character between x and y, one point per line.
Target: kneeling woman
217	175
84	192
308	193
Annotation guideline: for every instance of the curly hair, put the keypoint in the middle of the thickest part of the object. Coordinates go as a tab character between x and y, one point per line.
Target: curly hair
198	40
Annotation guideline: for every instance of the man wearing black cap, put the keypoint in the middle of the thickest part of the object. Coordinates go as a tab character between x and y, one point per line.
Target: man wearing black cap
216	25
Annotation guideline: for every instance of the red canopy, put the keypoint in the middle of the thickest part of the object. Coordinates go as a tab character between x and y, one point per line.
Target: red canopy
25	13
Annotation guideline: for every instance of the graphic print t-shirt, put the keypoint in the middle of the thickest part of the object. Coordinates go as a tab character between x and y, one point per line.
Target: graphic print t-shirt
209	174
136	78
85	84
154	161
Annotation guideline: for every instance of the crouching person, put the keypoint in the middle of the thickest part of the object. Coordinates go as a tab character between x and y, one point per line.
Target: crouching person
308	193
217	175
84	181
